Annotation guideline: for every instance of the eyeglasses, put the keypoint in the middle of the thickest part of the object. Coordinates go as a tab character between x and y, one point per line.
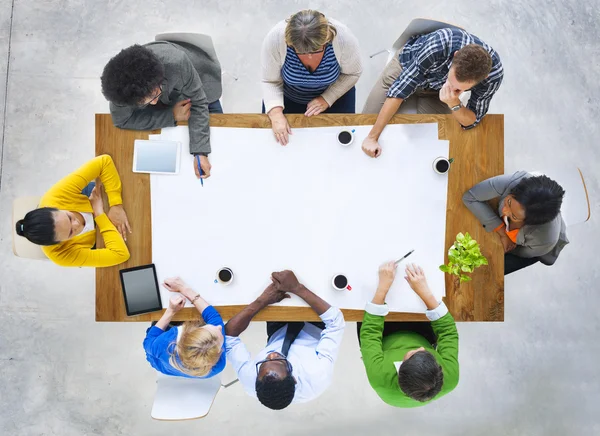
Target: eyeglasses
142	106
277	359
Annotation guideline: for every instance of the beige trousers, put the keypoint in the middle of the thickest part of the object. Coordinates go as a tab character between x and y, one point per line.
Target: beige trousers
421	102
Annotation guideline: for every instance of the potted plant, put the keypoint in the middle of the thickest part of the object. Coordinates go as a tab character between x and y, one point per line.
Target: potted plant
463	257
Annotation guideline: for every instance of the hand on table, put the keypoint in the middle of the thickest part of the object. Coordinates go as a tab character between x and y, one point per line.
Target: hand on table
272	295
316	106
371	147
286	281
417	281
181	110
117	216
387	274
96	200
176	303
205	165
449	96
175	284
280	125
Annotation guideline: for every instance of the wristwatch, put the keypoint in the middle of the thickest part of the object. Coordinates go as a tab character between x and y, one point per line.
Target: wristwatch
457	107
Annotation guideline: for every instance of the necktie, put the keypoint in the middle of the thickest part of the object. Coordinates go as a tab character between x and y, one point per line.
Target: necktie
293	330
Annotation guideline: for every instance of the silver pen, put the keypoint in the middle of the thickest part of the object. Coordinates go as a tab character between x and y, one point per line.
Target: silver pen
404	257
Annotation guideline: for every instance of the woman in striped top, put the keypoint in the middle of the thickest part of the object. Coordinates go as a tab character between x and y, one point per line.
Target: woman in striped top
309	65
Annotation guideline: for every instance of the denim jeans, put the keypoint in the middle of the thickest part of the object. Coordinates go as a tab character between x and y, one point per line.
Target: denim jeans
346	104
87	191
215	107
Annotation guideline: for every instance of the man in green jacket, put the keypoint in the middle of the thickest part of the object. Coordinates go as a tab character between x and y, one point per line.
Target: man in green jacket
406	368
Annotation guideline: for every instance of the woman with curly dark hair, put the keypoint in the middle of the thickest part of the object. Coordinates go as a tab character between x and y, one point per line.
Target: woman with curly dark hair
528	221
158	84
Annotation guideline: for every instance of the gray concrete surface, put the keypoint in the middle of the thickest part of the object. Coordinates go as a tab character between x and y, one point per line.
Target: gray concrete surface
63	374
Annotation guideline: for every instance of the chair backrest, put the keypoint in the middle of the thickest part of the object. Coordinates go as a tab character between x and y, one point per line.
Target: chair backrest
179	398
203	42
575	208
420	26
21	246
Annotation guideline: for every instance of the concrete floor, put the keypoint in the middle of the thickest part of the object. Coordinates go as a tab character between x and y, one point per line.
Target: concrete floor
63	374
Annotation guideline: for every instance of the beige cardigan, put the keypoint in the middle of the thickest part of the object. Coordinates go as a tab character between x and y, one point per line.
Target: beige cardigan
345	47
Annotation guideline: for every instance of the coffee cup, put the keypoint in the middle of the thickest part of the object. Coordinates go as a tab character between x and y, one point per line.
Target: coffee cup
225	275
345	137
441	165
340	282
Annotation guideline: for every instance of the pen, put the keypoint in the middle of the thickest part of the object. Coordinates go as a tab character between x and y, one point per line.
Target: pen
404	257
200	169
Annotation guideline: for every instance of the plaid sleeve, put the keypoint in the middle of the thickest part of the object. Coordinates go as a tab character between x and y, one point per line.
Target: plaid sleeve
413	72
405	85
480	100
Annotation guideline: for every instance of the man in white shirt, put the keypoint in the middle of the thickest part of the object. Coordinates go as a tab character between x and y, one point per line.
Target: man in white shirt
297	364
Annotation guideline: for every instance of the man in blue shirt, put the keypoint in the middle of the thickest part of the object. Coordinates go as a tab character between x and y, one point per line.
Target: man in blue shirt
437	67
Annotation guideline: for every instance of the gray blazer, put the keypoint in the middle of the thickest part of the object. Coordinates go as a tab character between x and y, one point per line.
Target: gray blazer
189	73
544	241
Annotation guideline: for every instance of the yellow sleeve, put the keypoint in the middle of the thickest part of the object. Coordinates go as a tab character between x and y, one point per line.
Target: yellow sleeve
115	253
101	167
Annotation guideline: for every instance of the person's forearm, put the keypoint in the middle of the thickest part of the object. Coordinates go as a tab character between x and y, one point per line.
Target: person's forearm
199	303
164	320
389	109
275	112
199	127
236	325
314	301
380	294
464	116
430	301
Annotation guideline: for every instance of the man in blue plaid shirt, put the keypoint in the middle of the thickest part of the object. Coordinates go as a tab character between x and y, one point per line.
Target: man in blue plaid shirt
436	68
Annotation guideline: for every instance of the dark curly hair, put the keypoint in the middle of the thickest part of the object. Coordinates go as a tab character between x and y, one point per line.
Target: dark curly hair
421	377
275	393
541	197
131	76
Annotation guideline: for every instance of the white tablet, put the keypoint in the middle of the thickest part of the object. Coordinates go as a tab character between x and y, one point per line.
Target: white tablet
156	157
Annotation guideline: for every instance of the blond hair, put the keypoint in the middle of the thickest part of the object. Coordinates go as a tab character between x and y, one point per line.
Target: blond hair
198	349
307	31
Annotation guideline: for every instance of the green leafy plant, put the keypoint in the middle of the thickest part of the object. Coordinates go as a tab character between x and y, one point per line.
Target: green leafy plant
463	257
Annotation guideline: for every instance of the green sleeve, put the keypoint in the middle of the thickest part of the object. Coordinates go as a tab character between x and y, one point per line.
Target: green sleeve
447	347
371	347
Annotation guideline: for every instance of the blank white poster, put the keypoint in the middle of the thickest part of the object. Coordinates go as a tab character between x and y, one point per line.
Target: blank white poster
313	206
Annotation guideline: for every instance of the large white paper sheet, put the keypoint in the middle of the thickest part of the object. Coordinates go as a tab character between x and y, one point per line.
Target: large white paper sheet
313	206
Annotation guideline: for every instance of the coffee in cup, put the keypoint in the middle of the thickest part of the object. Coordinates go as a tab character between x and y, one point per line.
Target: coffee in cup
345	137
225	275
441	165
340	282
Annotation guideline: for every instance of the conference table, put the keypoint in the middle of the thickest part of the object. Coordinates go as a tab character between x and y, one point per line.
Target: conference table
478	154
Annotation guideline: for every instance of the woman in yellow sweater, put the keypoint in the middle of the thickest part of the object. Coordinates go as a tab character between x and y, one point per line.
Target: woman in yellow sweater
64	222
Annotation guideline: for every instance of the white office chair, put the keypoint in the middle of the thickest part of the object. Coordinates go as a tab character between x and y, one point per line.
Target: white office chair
21	246
575	207
203	42
418	26
180	398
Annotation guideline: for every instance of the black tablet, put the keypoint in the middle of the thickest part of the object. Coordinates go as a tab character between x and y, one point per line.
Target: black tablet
140	290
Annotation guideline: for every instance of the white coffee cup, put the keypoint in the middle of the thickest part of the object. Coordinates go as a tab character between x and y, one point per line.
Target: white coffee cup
341	277
222	275
345	135
444	162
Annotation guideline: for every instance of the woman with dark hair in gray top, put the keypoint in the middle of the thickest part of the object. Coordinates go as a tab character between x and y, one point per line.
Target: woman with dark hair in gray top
528	221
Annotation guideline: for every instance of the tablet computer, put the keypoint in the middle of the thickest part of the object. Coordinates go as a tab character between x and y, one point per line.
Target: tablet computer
156	157
140	290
